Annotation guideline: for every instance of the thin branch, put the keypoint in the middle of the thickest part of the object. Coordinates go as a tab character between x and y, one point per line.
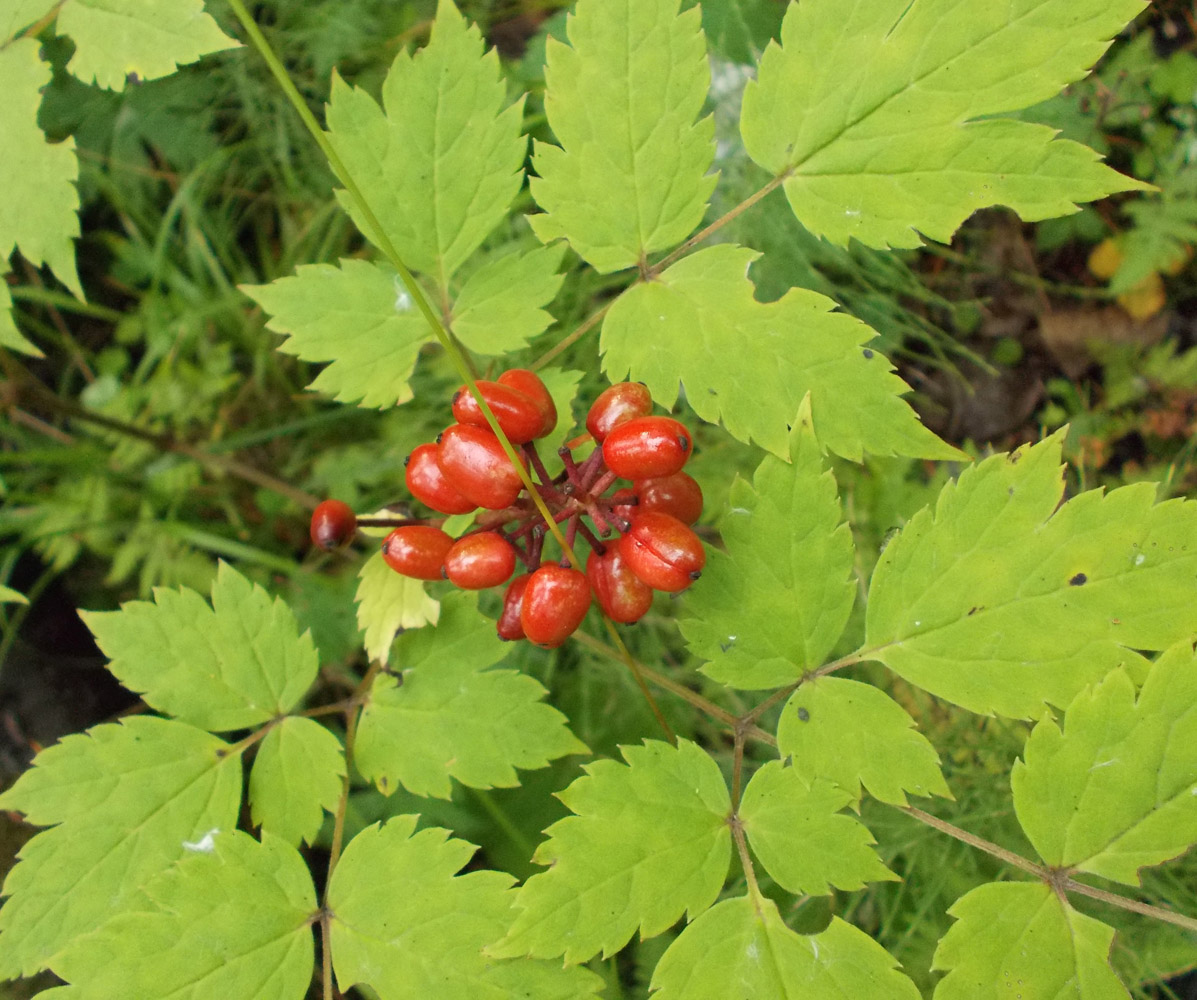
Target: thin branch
988	846
1124	903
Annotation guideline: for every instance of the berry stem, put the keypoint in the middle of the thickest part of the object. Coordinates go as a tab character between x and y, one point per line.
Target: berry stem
533	457
591	540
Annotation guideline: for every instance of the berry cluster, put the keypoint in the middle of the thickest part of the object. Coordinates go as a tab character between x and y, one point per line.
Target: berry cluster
466	469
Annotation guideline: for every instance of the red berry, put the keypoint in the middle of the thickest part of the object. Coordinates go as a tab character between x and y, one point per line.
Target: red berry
622	595
529	384
508	625
519	416
662	551
483	559
678	495
428	484
555	602
617	404
624	503
333	524
417	550
647	447
475	465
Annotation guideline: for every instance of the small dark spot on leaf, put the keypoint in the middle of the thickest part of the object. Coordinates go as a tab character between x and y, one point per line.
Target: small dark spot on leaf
712	392
1015	457
867	353
1010	491
803	715
1079	579
974	609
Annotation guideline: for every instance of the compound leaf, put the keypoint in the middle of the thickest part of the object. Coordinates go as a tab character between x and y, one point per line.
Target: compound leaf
231	921
776	601
442	163
1117	789
420	930
230	665
499	307
451	717
854	734
740	29
869	110
1019	938
737	949
296	776
630	176
699	323
388	603
124	802
795	828
649	841
1000	602
358	318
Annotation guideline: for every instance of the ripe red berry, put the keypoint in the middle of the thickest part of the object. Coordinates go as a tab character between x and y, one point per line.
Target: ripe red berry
647	447
333	524
417	550
428	484
555	602
662	551
483	559
678	495
622	595
519	416
508	625
475	465
530	385
615	405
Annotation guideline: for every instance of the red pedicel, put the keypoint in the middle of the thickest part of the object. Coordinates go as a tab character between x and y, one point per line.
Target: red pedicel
417	550
662	551
475	465
622	595
616	405
483	559
428	484
333	524
555	602
647	447
519	416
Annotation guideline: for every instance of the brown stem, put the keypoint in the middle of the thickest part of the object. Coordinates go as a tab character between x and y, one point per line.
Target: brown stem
990	848
1123	903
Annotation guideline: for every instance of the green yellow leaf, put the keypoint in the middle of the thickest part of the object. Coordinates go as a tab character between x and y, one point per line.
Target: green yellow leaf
419	930
649	841
18	14
1018	937
699	323
388	603
499	308
358	318
234	920
10	336
629	177
1117	789
296	776
999	602
870	111
451	717
123	803
10	596
232	664
774	602
854	734
442	163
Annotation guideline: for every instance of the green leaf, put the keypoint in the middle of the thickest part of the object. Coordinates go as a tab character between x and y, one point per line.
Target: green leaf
419	931
10	596
1117	790
740	29
451	717
856	734
38	210
774	604
18	14
499	307
738	950
1020	938
698	322
358	318
869	112
232	921
388	603
441	165
124	802
296	776
649	842
794	827
630	175
234	664
999	602
10	336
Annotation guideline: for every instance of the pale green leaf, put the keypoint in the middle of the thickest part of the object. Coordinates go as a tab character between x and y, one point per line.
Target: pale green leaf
774	603
18	14
124	802
796	830
1117	790
649	841
232	664
499	308
10	336
388	603
868	109
441	165
38	210
629	177
405	924
699	323
999	602
357	317
10	596
232	921
1018	937
737	950
450	717
296	776
854	734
